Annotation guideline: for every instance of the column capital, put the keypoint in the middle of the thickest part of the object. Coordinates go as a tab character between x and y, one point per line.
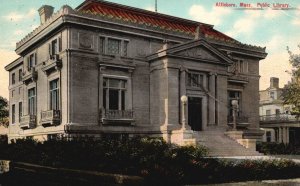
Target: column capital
182	68
102	68
213	74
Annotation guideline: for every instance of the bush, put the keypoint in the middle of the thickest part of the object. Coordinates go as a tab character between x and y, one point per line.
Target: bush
3	146
158	162
278	148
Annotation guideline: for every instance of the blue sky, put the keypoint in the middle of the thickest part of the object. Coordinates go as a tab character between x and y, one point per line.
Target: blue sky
275	29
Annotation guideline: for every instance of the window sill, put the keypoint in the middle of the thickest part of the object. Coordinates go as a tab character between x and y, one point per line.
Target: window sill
118	122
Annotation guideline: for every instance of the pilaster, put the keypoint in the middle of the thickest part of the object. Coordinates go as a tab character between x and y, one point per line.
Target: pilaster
211	100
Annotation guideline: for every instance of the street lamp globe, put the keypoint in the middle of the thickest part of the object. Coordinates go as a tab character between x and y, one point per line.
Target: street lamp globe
183	99
234	102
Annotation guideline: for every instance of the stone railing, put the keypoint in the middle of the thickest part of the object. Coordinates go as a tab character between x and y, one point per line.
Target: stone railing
30	75
117	114
28	121
239	119
278	118
50	117
54	63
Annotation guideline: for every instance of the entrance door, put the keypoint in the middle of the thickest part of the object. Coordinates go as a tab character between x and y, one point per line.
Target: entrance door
195	113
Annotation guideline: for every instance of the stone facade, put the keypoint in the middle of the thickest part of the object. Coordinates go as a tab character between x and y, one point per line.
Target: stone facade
90	72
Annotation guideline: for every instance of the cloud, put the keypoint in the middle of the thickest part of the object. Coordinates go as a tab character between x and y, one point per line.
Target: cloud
14	16
31	13
296	21
17	16
244	25
215	16
251	19
7	56
275	41
271	14
278	43
150	8
296	17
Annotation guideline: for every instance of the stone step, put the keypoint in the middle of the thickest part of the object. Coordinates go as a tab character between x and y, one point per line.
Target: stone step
220	144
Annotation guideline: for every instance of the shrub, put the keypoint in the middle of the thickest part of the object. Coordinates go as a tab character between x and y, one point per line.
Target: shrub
278	148
158	162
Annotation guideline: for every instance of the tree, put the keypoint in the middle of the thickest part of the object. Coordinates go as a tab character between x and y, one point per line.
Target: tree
4	112
291	92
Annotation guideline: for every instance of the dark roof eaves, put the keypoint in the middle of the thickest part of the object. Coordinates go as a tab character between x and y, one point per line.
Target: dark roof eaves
143	11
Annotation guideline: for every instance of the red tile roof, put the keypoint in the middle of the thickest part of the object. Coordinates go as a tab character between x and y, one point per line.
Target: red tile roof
149	18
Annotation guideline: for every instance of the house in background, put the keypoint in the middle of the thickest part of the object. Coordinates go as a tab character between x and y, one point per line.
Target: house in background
275	117
104	68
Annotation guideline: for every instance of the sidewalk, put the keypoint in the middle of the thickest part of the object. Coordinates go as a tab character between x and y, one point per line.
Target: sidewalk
288	182
295	158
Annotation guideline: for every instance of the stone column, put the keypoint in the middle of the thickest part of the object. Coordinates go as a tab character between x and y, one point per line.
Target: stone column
211	100
100	94
284	137
279	135
128	101
287	135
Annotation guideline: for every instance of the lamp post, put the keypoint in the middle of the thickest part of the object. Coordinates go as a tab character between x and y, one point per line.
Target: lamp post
183	101
235	105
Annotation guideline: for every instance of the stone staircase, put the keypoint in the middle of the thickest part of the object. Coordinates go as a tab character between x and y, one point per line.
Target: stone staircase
221	145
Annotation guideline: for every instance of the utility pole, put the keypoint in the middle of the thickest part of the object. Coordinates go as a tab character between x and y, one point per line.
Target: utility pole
155	5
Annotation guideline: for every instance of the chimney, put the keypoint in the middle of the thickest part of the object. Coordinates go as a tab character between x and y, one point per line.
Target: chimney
274	82
45	12
198	33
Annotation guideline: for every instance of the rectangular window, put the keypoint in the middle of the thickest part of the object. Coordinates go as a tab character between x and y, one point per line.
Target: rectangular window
31	61
54	47
234	95
54	95
268	112
125	45
272	95
241	66
13	114
32	101
195	80
13	78
20	74
268	136
20	110
102	45
114	94
113	46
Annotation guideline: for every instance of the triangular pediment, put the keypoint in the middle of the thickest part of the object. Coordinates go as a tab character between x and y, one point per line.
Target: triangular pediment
199	50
